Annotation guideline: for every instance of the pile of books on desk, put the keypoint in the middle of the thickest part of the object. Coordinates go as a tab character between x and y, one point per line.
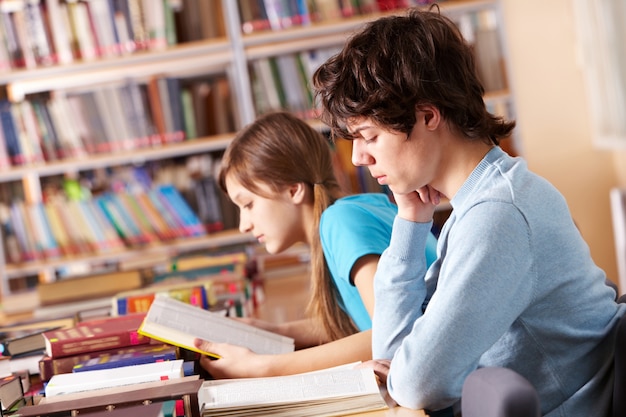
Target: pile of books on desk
118	384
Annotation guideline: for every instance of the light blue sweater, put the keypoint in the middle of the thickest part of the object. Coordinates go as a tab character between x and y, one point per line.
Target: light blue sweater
352	227
514	286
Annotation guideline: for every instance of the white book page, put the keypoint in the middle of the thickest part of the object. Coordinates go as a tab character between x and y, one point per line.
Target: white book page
187	322
288	389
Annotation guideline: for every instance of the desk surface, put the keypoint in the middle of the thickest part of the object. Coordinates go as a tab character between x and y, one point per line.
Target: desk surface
394	412
286	298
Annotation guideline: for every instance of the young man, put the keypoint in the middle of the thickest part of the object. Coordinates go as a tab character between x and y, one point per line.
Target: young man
514	284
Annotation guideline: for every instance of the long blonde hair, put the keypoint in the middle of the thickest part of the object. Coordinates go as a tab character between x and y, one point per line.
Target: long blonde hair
279	150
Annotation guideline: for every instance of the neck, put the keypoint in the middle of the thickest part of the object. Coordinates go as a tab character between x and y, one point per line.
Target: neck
458	163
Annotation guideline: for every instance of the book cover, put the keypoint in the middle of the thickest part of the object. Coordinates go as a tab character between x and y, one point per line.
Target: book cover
10	132
172	85
151	354
50	143
62	384
197	292
88	286
10	391
5	366
56	14
94	335
49	366
171	198
134	112
70	143
28	362
330	392
155	101
178	323
18	342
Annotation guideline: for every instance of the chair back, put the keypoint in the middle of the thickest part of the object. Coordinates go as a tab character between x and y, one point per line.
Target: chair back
498	392
618	216
619	384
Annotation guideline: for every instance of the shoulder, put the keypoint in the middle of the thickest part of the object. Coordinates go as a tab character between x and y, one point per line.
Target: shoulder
354	217
372	205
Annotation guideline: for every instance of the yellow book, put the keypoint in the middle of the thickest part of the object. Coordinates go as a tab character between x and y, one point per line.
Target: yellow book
177	323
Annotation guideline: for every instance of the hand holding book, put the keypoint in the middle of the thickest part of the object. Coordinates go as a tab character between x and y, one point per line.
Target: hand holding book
233	360
180	324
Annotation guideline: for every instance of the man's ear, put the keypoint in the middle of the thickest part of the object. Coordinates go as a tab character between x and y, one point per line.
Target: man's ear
297	192
430	114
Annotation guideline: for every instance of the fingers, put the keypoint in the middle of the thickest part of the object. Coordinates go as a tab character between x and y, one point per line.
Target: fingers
206	346
429	195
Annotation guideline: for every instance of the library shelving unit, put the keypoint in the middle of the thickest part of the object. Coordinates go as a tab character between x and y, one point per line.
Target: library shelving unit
234	55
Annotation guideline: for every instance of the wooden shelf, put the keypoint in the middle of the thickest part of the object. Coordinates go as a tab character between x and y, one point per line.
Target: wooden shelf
188	147
171	248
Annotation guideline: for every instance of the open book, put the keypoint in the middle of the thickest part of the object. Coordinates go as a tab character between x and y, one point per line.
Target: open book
332	392
177	323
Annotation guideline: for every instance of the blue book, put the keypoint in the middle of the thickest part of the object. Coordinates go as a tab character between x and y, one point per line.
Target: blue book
9	128
171	198
156	353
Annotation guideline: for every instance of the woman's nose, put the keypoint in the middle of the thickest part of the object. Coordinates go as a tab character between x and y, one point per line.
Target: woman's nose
244	224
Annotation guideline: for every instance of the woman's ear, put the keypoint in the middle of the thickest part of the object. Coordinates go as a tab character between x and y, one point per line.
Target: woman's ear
298	192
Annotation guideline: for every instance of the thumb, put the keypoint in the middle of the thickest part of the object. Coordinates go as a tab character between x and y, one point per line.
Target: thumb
205	345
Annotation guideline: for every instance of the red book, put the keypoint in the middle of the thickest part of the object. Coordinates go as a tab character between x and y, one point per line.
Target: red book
95	335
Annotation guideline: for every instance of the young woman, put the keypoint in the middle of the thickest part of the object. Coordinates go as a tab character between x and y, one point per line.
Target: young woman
514	284
279	172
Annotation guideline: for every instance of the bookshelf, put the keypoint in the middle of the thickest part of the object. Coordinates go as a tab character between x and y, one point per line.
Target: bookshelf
228	54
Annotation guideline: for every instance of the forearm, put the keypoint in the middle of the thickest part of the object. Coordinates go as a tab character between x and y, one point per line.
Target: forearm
304	332
354	348
399	286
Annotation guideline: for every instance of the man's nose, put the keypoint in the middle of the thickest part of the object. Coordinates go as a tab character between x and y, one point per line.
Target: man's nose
360	156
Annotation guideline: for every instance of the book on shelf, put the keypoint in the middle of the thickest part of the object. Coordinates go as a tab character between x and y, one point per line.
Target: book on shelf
83	38
95	335
199	20
82	310
229	288
10	392
330	392
121	397
171	199
236	258
151	354
177	323
62	384
197	292
48	366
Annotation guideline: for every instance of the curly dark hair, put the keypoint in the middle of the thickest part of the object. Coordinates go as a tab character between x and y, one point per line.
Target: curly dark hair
396	63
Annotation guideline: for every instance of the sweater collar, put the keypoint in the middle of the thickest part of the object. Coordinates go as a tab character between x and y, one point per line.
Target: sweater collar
468	186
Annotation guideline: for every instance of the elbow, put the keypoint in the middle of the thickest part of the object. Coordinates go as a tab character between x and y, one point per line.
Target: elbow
420	394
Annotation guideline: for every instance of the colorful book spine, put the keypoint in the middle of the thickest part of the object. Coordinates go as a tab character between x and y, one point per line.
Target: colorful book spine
95	335
107	361
177	206
49	366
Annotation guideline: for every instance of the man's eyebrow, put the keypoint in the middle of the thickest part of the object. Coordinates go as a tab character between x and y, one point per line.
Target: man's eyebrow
359	129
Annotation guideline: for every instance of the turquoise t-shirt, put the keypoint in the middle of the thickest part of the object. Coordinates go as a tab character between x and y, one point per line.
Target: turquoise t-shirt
351	228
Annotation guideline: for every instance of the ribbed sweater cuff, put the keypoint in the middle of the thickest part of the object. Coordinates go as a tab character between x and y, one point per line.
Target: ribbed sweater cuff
408	238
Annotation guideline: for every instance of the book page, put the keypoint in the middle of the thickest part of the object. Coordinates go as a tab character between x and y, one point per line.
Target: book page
287	389
178	323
